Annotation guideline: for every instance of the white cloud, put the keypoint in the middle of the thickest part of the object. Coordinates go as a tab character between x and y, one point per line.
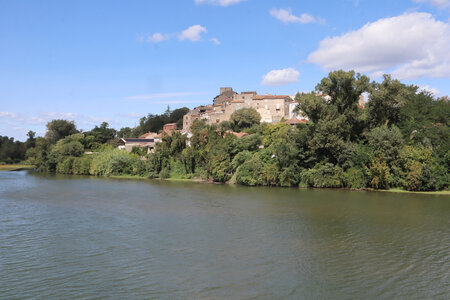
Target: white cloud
286	16
427	88
163	95
158	37
281	77
411	45
7	114
441	4
219	2
215	41
193	33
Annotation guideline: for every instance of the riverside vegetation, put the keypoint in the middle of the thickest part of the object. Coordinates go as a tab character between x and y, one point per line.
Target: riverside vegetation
399	139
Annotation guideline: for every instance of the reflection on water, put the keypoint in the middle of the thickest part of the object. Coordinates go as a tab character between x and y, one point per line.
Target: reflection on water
81	237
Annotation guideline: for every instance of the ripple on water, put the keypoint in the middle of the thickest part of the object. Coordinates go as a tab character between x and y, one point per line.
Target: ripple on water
74	237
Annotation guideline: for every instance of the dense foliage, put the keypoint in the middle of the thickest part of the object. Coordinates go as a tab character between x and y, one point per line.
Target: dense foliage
399	139
14	151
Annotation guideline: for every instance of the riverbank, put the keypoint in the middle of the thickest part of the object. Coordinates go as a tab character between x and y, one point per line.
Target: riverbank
199	180
16	167
396	190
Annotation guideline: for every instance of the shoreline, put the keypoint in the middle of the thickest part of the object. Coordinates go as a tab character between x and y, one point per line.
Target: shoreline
21	167
15	167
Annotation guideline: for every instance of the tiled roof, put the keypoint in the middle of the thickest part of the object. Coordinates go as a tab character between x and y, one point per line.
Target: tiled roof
263	97
295	121
148	135
136	140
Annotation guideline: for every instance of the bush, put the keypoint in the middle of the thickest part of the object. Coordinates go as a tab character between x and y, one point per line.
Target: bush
379	173
165	173
65	167
113	162
324	175
290	176
81	165
355	178
249	173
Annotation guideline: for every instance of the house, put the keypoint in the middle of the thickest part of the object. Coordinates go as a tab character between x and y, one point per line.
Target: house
294	121
170	128
152	135
128	144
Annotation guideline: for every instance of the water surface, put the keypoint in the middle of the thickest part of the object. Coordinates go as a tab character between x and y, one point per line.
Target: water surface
65	237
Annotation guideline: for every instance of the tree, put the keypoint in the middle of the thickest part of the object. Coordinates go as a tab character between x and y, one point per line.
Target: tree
386	141
101	134
386	100
344	90
244	118
177	115
125	132
59	129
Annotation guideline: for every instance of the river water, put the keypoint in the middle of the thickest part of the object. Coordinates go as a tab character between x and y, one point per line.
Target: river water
65	237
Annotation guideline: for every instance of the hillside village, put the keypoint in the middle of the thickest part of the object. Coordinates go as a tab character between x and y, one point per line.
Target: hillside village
272	108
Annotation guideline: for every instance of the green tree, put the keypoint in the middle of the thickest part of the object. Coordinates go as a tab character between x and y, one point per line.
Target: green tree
386	100
101	134
244	118
59	129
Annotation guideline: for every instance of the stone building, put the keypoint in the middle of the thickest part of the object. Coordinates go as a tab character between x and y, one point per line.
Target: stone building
272	108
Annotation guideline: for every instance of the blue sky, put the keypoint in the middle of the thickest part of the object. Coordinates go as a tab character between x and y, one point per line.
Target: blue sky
116	61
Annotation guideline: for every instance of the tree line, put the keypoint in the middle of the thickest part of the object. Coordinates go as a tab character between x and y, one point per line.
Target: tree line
399	139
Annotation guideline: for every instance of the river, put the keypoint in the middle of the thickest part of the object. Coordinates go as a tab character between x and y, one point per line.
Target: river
64	237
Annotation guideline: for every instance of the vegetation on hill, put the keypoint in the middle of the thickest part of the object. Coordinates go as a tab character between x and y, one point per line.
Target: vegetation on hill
400	139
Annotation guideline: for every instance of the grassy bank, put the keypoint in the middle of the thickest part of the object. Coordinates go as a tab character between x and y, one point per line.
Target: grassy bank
446	193
127	177
15	167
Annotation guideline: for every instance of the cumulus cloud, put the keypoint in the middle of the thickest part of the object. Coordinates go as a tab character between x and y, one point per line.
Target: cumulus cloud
219	2
286	16
281	77
215	41
158	37
409	46
193	33
441	4
428	88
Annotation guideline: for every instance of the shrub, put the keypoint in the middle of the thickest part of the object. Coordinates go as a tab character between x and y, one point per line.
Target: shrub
165	173
355	178
113	162
65	167
81	165
249	173
379	173
324	175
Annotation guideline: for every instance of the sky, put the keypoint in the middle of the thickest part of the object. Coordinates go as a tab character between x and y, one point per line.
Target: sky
117	61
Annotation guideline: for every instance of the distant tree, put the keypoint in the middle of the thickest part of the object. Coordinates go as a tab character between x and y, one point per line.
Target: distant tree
177	115
244	118
59	129
11	151
125	132
31	141
102	133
